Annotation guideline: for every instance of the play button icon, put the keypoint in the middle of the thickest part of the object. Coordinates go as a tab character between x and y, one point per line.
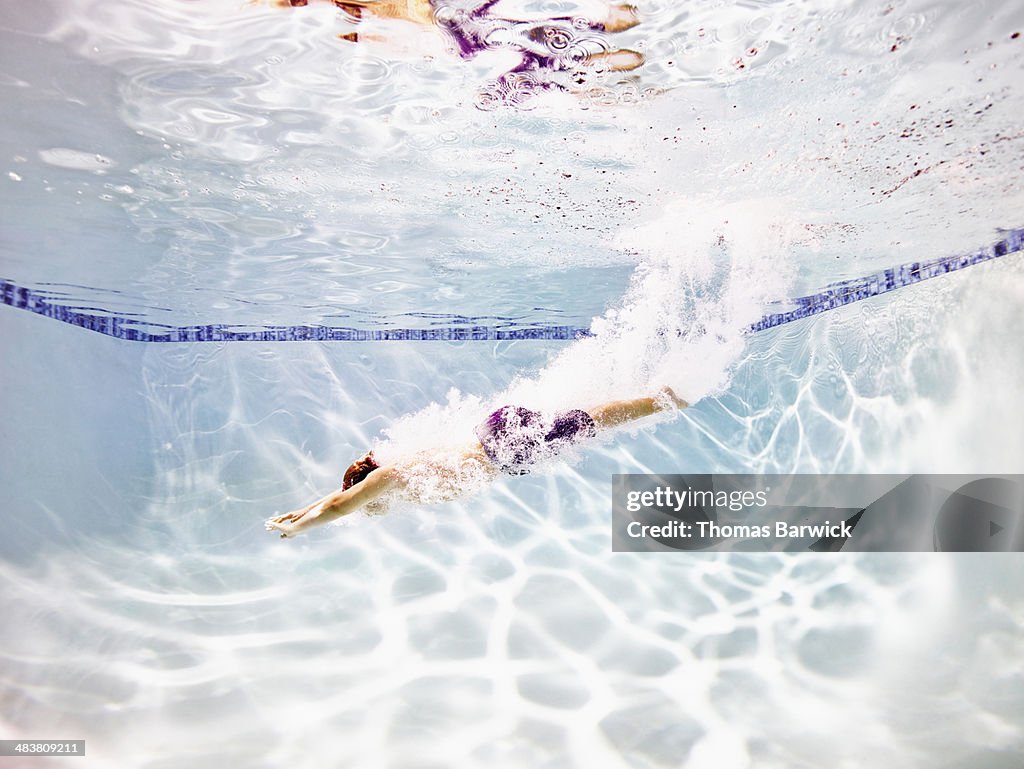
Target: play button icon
986	515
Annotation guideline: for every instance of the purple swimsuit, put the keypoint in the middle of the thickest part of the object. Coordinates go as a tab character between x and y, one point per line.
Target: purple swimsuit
554	44
514	437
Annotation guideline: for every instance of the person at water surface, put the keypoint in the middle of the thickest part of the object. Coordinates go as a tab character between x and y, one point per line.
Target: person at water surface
510	440
552	43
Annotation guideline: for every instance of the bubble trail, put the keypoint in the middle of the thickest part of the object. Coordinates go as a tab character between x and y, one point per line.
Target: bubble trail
469	328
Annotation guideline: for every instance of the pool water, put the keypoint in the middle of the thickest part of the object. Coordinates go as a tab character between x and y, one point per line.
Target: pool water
182	163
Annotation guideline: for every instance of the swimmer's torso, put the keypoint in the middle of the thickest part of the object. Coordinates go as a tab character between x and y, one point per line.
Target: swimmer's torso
440	475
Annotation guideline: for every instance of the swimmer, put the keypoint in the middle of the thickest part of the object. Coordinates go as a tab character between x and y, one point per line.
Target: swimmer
556	43
510	440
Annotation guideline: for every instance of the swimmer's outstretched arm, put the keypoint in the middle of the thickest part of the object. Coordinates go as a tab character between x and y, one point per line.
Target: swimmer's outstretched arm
619	412
339	503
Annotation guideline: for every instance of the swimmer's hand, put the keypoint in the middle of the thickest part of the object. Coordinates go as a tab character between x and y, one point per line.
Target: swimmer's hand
294	522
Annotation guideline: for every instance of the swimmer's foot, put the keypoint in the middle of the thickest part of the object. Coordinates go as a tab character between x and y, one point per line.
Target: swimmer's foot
668	396
620	60
621	17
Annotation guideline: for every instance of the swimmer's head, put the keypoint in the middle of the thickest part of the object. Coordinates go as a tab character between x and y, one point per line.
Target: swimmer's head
358	470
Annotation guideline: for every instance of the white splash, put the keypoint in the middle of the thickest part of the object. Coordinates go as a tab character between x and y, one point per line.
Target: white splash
708	272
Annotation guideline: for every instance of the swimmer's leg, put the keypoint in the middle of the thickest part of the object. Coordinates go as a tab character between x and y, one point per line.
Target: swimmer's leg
621	17
619	412
619	60
565	28
417	11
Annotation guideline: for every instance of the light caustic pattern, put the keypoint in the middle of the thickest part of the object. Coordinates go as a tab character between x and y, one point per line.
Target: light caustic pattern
498	629
400	650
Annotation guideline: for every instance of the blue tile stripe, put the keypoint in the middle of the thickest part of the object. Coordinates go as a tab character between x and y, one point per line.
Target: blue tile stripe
847	292
141	330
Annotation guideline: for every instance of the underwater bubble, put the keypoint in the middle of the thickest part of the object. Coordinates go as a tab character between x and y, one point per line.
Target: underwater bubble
78	160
